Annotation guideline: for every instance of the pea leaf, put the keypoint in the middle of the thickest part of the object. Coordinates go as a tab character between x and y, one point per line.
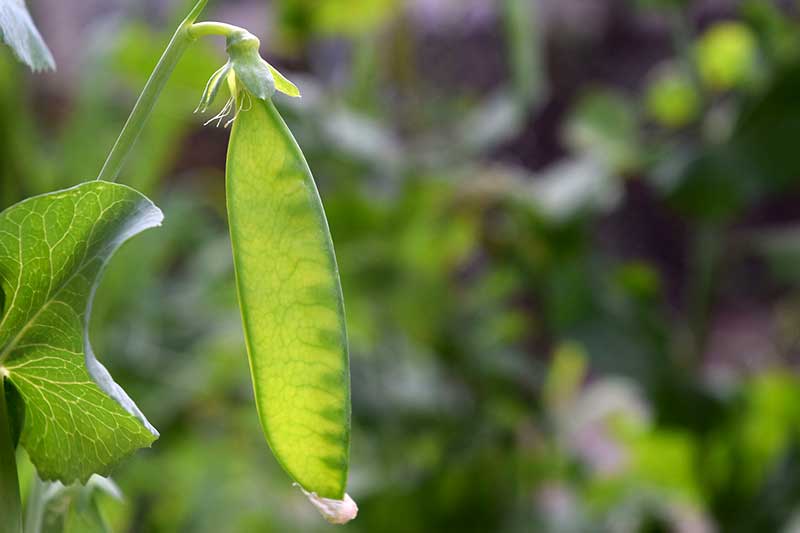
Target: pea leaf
19	32
53	249
291	303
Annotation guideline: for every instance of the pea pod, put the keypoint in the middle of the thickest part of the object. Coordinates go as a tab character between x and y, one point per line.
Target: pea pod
291	302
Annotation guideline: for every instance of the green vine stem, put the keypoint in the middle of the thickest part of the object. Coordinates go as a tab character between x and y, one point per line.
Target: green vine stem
144	106
10	502
185	35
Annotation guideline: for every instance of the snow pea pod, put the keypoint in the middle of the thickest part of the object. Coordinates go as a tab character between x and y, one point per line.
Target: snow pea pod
291	301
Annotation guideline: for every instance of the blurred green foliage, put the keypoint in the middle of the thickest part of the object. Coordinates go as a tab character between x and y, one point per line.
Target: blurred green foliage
569	260
726	55
672	97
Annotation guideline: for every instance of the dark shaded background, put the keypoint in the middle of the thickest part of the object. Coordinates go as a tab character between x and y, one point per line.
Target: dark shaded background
568	235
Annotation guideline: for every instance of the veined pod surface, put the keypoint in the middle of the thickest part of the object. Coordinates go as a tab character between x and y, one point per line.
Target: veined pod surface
291	301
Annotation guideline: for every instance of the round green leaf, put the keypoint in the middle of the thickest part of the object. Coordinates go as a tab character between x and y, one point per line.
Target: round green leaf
53	249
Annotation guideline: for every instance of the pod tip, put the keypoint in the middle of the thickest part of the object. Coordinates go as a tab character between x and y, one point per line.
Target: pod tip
334	511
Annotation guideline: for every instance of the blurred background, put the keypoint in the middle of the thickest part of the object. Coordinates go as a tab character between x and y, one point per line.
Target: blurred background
569	239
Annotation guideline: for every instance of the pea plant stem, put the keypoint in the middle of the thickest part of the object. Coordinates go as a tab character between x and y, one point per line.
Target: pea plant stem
186	34
147	100
10	502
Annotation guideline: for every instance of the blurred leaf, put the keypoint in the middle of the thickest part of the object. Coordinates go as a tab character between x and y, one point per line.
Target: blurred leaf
77	420
726	55
302	19
715	185
23	151
781	249
771	416
567	372
671	97
762	140
658	461
336	16
572	187
717	182
495	120
361	137
774	30
20	33
639	279
604	124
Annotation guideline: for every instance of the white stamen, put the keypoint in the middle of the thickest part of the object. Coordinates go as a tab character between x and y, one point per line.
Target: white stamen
222	114
235	115
242	96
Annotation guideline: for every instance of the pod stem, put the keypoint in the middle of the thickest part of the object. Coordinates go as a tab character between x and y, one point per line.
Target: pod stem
152	90
204	29
10	501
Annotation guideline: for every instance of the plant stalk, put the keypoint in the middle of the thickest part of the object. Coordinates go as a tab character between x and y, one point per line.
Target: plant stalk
10	501
152	90
34	506
707	251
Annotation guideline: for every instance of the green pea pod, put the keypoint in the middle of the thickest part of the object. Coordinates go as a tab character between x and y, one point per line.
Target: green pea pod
291	302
